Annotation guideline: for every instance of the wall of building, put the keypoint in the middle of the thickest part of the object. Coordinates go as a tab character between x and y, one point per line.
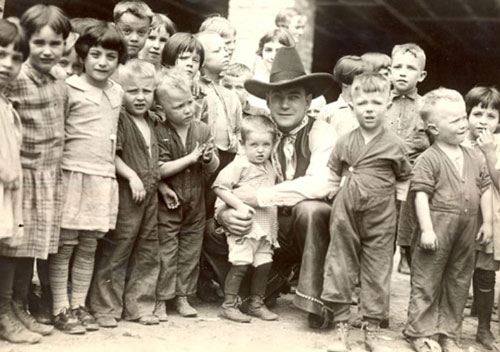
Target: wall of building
253	18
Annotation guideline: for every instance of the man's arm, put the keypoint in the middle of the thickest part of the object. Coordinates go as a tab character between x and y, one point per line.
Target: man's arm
314	184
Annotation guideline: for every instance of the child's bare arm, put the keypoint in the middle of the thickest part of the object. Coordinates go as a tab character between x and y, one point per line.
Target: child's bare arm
173	167
486	231
231	200
210	159
486	142
135	183
428	238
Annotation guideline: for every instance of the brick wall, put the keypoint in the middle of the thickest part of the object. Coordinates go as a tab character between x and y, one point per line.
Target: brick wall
253	18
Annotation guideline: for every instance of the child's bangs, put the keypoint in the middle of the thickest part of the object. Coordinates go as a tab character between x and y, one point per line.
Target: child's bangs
11	33
112	39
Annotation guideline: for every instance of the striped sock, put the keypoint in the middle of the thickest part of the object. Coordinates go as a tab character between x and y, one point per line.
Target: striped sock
58	275
83	268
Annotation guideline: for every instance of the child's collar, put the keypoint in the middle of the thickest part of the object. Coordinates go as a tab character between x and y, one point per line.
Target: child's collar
412	94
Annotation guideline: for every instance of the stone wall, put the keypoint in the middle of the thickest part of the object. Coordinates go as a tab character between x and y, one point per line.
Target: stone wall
253	18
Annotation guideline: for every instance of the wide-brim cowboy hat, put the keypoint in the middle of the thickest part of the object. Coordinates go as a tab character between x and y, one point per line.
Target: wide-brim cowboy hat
287	71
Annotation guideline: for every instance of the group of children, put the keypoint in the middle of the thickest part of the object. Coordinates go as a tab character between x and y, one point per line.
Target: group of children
117	139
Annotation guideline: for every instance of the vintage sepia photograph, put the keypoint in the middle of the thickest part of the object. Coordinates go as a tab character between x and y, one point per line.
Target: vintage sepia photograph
249	175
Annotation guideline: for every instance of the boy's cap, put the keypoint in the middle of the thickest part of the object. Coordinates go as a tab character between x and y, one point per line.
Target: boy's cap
287	70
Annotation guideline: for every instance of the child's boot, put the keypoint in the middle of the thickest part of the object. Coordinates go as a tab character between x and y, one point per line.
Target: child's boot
11	329
184	308
230	307
28	321
449	344
230	310
341	338
484	297
257	308
161	311
371	329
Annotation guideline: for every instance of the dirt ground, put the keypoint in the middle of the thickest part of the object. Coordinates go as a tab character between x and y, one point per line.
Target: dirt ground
209	333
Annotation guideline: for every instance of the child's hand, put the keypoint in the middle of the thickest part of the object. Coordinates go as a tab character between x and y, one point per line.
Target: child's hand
208	153
485	234
428	240
170	198
486	142
196	153
137	188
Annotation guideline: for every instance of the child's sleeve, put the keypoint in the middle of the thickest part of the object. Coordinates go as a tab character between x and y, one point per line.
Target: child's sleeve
424	176
335	160
120	136
402	167
164	153
229	176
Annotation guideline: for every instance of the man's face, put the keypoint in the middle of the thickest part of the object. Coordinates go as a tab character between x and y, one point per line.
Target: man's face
288	106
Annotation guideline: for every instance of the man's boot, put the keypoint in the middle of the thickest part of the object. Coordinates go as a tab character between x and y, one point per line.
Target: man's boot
230	310
485	295
11	329
341	338
257	308
230	307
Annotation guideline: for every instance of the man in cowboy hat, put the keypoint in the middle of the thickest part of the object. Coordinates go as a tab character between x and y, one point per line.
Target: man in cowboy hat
300	160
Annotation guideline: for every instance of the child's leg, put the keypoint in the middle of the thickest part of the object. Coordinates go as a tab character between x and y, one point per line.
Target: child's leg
112	260
22	283
139	294
190	241
262	265
428	268
58	274
83	267
457	276
485	296
11	329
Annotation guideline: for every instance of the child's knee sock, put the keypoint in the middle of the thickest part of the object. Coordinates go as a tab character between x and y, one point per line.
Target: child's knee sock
259	280
58	276
233	279
22	279
83	268
7	271
485	296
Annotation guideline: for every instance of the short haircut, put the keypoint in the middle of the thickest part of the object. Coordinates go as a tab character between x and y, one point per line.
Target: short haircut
39	16
376	61
162	21
484	97
430	99
79	24
285	15
135	69
180	43
172	79
218	24
135	7
238	70
101	33
411	48
257	123
370	83
348	67
280	35
12	33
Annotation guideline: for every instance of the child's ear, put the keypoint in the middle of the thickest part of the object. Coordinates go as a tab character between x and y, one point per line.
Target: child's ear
423	74
433	129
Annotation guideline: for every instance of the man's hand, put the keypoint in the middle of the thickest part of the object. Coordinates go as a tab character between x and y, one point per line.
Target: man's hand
235	222
428	240
137	188
247	194
485	234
